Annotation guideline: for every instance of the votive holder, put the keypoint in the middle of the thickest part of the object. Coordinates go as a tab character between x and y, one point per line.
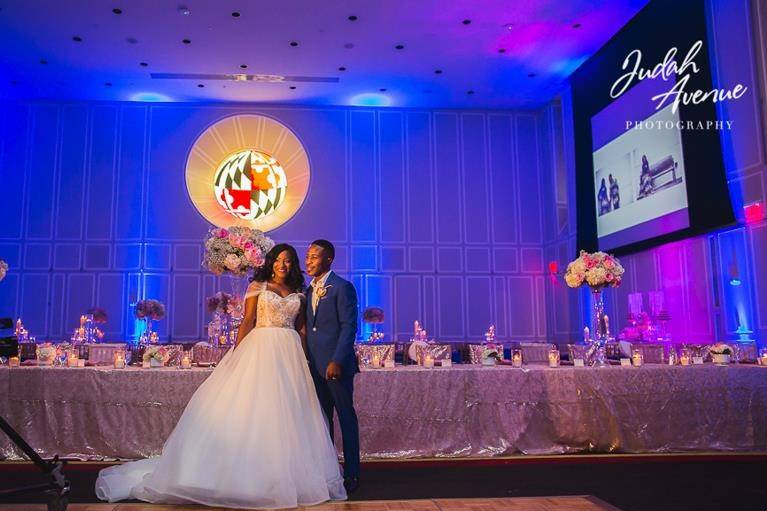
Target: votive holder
637	358
516	358
554	357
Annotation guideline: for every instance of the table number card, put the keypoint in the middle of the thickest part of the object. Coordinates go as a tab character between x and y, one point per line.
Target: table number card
578	362
447	363
697	360
389	364
625	362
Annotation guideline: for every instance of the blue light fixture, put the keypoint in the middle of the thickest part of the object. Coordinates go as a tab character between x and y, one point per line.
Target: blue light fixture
370	99
150	97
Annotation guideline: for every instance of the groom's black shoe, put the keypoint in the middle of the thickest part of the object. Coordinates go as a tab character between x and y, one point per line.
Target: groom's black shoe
351	484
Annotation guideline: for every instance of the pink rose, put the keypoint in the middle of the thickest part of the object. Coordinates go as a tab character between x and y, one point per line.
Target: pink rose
609	263
222	233
609	277
247	245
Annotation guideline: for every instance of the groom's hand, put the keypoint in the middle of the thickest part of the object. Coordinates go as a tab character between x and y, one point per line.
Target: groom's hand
333	372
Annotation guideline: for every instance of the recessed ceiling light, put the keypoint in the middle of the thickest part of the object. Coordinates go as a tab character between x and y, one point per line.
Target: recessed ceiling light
292	87
437	71
293	44
200	85
235	14
186	41
501	50
427	91
577	25
400	47
469	92
117	11
243	66
43	61
352	18
382	90
143	64
349	46
77	39
108	84
184	10
466	22
14	82
342	68
532	75
132	40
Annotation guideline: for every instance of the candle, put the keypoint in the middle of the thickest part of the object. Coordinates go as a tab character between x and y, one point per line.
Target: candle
763	357
428	360
186	362
516	358
376	361
119	360
554	358
637	358
72	359
586	335
684	356
14	362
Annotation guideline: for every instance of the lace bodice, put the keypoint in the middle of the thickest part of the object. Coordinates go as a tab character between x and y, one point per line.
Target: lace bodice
274	310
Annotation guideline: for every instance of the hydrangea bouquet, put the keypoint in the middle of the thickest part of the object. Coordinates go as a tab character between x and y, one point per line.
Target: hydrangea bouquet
597	270
150	309
236	250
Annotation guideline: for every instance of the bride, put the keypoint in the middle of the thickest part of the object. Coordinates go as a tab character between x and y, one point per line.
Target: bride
253	435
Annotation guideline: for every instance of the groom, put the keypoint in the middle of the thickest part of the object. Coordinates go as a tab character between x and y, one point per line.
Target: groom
331	327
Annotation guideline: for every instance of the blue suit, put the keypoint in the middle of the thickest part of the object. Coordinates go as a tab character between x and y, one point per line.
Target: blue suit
330	335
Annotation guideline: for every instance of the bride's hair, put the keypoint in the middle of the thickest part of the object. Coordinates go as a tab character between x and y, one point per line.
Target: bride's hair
295	280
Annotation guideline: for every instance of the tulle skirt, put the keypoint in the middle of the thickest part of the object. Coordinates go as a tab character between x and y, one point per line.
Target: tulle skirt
252	436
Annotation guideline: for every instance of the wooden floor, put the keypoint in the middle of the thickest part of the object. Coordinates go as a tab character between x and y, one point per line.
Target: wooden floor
574	503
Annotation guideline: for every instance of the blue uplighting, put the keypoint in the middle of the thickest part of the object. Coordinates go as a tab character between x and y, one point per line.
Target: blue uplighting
150	97
371	99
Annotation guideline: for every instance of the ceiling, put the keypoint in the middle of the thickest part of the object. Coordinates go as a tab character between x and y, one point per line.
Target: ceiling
454	53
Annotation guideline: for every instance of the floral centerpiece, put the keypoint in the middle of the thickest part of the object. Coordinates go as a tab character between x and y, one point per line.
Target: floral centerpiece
156	356
597	270
374	316
227	310
720	353
3	269
149	310
236	250
490	356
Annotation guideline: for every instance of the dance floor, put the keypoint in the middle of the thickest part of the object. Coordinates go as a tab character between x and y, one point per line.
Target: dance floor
569	503
412	412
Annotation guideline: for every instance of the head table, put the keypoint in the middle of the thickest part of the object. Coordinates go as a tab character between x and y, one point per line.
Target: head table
462	411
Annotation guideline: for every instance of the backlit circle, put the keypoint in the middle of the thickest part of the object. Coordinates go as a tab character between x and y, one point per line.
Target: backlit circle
247	170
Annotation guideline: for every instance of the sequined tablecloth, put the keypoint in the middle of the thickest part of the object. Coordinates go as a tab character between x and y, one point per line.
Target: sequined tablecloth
412	412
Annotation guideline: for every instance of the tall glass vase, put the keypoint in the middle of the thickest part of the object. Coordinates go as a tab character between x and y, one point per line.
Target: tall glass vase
147	336
599	329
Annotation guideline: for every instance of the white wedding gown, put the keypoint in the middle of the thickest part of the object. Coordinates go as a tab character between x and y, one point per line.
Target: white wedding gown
252	436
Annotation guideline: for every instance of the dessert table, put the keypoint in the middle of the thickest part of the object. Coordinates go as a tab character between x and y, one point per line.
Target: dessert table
410	411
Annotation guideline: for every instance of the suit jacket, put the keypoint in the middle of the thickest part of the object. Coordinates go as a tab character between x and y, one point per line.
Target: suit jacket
332	329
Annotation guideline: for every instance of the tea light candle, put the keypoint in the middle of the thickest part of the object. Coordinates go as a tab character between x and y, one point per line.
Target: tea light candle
428	361
72	359
186	362
516	358
376	361
637	358
554	358
14	362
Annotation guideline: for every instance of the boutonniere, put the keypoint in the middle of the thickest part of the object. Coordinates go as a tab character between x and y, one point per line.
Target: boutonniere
323	290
